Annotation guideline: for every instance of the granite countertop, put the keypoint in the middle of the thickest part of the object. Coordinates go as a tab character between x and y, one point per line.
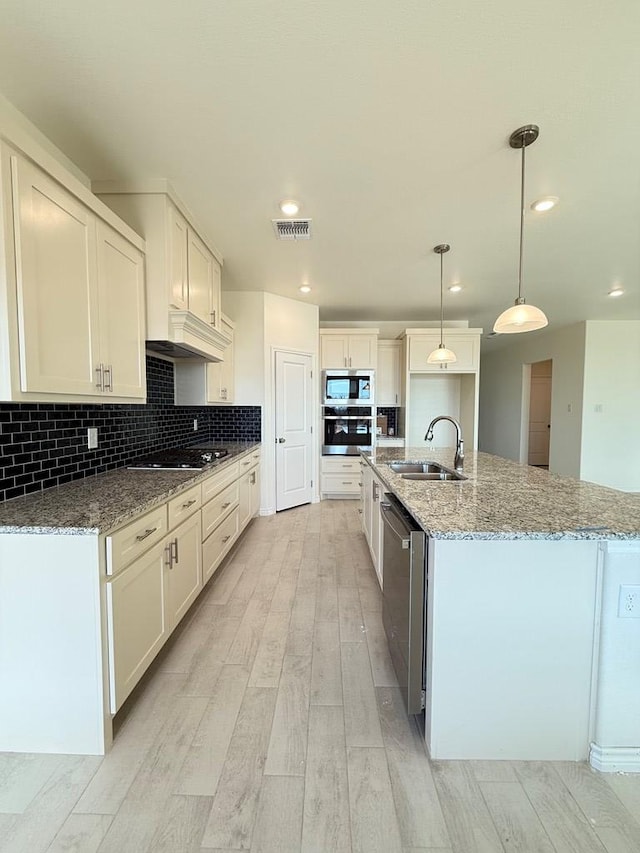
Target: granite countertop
106	501
502	499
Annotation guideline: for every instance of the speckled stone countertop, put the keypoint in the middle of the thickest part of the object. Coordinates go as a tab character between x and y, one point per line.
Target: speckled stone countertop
502	499
101	503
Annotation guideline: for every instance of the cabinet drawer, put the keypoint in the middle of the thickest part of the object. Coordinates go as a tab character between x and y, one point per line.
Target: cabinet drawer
184	505
218	482
249	462
341	465
215	510
341	483
218	544
129	542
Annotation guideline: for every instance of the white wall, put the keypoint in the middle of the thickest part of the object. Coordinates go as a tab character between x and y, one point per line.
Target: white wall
610	446
501	387
266	322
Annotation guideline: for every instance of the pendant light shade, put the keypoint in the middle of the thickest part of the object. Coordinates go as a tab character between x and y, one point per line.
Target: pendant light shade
522	317
441	355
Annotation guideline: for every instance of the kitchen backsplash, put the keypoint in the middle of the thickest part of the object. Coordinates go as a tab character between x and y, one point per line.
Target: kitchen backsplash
45	444
391	415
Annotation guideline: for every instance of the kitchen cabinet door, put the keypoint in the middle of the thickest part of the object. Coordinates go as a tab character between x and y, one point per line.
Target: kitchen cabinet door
204	284
57	288
255	491
366	478
375	543
388	375
363	351
184	577
467	350
178	266
245	502
220	375
334	351
136	620
122	313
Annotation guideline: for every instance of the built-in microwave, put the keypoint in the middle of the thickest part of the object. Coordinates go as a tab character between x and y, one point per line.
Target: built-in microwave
348	387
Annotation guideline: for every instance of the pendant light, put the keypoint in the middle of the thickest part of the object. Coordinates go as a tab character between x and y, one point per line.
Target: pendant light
441	355
522	317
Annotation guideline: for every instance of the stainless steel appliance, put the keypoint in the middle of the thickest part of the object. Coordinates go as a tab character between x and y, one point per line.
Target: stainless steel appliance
347	430
348	387
179	457
404	599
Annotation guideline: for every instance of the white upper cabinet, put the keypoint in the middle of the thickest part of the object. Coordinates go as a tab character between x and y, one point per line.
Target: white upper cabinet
389	375
349	348
464	342
178	270
73	294
199	383
183	272
122	309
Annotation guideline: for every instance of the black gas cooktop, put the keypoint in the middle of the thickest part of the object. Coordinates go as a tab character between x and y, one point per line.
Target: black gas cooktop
179	457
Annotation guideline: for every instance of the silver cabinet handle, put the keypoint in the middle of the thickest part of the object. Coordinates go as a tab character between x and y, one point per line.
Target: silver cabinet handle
247	463
347	482
174	550
108	372
224	506
100	372
396	398
226	538
169	555
141	536
213	318
188	504
253	478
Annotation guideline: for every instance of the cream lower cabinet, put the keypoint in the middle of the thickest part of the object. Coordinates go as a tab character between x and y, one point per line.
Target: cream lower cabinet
372	494
147	599
249	489
73	293
137	621
340	476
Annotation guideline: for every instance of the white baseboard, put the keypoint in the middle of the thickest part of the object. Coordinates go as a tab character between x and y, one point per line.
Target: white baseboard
615	759
267	511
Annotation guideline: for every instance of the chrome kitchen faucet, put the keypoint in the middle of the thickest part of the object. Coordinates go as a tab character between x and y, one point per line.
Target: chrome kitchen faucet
458	460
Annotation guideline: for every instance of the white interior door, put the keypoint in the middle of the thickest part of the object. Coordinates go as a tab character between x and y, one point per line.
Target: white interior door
294	450
540	413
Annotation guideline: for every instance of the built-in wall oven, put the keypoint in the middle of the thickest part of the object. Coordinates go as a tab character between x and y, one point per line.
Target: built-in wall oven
404	599
347	430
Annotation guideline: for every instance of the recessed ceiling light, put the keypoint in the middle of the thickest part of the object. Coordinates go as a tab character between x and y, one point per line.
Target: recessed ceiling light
455	288
544	204
289	207
617	291
305	289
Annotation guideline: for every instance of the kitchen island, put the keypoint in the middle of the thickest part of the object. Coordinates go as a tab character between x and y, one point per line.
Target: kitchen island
526	655
94	577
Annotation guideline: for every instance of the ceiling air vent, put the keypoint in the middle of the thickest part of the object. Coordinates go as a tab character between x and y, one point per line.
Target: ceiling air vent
292	229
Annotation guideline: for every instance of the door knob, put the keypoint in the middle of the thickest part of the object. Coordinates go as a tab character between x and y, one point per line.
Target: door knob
281	440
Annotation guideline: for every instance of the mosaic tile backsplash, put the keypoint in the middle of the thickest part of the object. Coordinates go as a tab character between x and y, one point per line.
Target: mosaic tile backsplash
391	414
45	444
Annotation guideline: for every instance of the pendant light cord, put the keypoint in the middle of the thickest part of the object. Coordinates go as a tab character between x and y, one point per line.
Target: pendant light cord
521	224
441	309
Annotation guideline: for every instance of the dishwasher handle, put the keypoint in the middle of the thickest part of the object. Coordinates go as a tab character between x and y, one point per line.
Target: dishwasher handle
388	516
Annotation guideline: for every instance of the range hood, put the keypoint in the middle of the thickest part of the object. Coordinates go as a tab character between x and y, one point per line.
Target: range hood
190	337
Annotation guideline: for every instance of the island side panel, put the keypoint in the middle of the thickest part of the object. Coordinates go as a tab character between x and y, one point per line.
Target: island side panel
616	738
51	649
510	647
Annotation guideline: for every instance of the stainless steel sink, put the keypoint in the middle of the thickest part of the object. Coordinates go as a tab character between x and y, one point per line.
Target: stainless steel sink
424	471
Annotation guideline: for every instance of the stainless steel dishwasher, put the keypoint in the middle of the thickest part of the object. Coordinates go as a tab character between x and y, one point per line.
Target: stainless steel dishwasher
404	600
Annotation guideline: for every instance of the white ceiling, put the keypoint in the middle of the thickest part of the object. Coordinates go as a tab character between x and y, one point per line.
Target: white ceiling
389	122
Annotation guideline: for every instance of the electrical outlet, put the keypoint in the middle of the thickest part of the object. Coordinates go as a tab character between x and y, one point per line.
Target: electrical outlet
195	425
92	438
629	601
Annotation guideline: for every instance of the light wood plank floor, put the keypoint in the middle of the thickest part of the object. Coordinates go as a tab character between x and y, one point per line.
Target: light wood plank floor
272	723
